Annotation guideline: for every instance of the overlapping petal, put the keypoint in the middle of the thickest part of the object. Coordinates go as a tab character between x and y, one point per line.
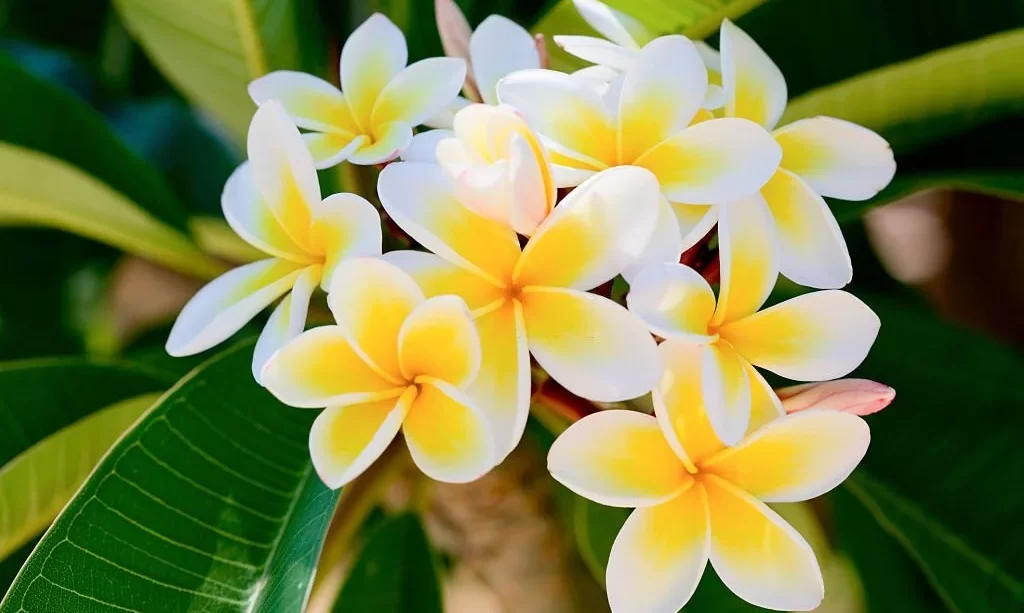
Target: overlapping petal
448	436
714	161
618	458
591	345
765	405
837	158
660	95
754	86
674	301
329	149
371	299
812	250
423	147
283	170
372	56
227	303
659	555
288	319
591	236
389	141
597	50
726	390
614	25
679	404
437	277
694	221
814	337
420	199
253	220
311	102
759	556
320	368
794	458
344	226
346	440
498	47
665	244
439	340
419	91
749	258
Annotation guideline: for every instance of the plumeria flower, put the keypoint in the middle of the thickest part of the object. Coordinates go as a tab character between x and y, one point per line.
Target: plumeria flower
497	47
814	337
370	120
697	500
617	51
498	167
273	203
651	117
394	361
821	156
534	300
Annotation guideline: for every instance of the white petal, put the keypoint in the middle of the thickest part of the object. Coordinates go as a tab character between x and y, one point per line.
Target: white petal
498	47
446	116
345	226
287	320
250	217
420	91
329	149
666	244
597	51
423	147
837	158
726	389
311	102
619	363
754	86
597	77
392	139
674	301
614	25
372	56
227	303
749	258
694	221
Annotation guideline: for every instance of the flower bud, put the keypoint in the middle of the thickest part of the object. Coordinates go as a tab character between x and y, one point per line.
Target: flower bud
857	396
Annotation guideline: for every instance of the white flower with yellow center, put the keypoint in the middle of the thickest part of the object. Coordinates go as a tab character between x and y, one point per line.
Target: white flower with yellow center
650	117
697	500
273	203
370	120
814	337
821	156
535	300
394	361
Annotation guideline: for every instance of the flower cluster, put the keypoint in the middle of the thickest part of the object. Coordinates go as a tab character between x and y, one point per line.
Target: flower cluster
541	189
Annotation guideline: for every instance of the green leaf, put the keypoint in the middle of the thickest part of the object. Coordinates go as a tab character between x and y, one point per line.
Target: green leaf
922	100
50	120
39	190
944	459
211	50
209	503
36	485
396	572
695	18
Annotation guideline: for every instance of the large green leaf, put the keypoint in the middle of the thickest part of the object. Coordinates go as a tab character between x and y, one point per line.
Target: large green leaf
941	473
39	190
210	50
209	503
922	100
395	572
35	485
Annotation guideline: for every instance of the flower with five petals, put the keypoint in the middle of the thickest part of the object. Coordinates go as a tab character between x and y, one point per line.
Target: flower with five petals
698	501
370	120
650	117
394	361
273	202
534	299
814	337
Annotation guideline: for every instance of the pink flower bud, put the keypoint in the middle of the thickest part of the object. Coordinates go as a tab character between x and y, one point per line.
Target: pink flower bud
542	50
455	32
857	396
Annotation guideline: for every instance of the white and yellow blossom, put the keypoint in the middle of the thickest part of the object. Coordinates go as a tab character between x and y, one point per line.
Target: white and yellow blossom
370	120
273	202
496	48
650	117
535	300
814	337
395	360
821	156
698	501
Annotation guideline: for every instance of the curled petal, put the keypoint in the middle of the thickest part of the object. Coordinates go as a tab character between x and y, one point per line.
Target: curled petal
618	458
346	440
330	149
498	47
598	51
391	139
856	396
679	404
754	86
227	303
674	301
532	187
614	25
253	220
373	55
288	319
344	226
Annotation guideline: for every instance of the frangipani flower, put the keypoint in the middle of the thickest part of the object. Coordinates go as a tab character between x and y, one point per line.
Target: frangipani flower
821	156
625	36
496	48
273	203
395	360
652	119
535	300
697	500
498	167
370	120
813	337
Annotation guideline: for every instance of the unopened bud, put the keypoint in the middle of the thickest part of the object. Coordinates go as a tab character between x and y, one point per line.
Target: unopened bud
857	396
455	32
542	50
